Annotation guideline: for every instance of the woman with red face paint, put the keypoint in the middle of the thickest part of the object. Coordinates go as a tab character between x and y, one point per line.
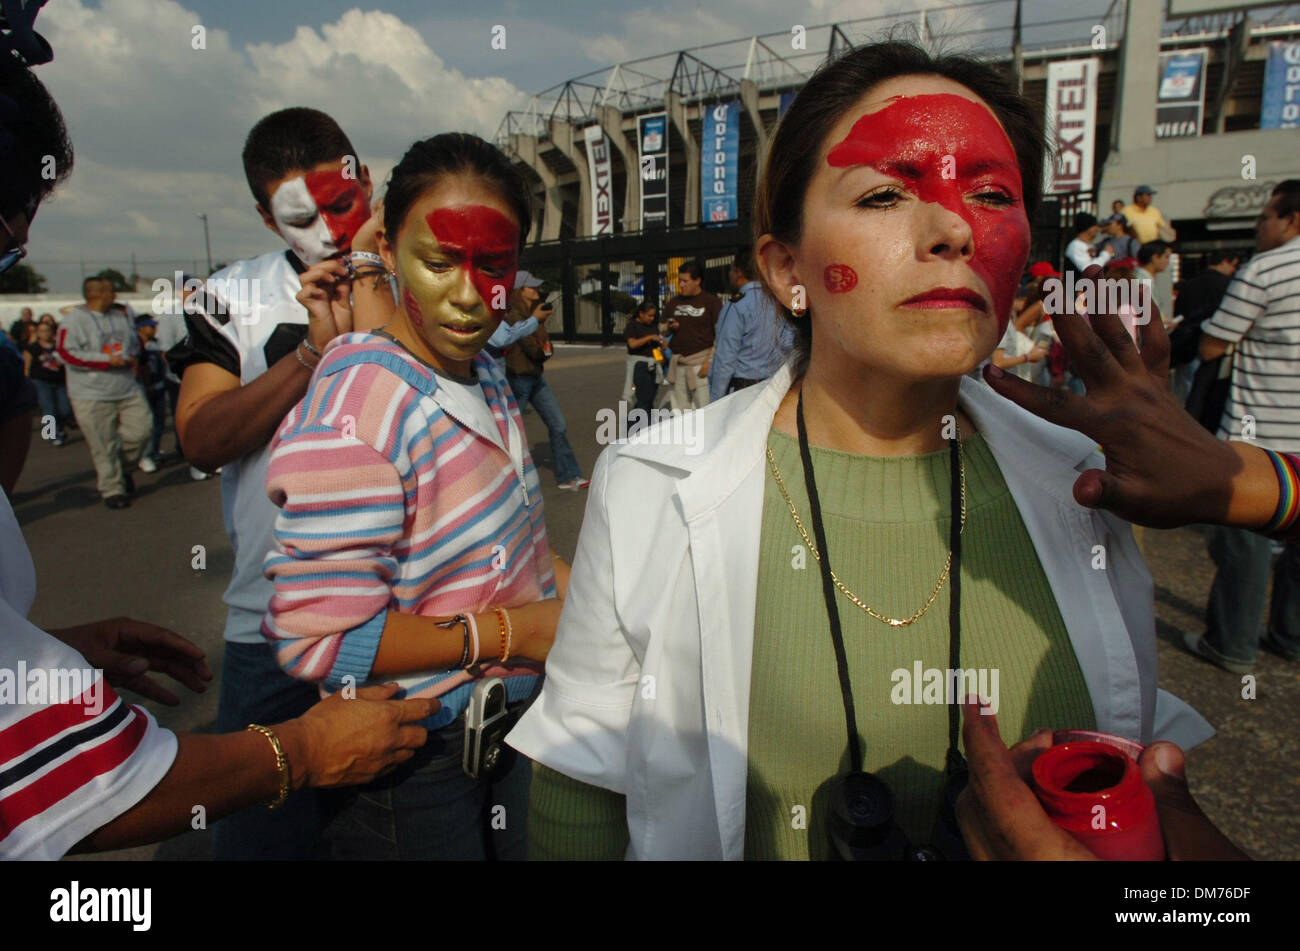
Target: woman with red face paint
411	543
831	560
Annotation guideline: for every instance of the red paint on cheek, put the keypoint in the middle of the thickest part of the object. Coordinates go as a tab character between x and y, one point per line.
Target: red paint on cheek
412	308
948	150
840	278
330	190
486	240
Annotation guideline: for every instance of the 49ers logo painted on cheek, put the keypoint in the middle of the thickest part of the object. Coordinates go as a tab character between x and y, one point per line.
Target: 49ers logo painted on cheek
487	243
840	278
951	151
319	213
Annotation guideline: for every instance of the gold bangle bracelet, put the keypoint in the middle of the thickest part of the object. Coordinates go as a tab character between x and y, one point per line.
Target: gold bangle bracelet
281	765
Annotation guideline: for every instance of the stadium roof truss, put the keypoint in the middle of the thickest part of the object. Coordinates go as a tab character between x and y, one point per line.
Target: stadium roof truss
785	60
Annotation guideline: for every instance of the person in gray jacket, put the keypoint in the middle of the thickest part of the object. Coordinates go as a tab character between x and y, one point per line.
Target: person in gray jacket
98	342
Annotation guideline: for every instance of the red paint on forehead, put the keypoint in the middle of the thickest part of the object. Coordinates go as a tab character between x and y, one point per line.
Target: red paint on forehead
484	238
331	188
911	138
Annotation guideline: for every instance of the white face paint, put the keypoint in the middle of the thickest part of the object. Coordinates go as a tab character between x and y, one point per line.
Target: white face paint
301	223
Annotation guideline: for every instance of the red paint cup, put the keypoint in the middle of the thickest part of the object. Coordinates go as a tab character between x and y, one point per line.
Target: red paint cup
1094	791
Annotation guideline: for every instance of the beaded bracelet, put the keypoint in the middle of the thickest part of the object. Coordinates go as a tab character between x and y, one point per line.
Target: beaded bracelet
1287	468
507	635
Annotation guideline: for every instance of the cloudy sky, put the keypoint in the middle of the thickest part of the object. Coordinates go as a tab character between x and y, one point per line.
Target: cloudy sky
158	125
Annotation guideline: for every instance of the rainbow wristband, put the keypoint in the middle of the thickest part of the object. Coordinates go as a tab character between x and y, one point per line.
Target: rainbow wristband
1287	467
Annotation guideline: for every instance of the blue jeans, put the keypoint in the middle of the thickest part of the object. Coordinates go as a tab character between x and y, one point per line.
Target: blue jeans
430	810
158	406
254	689
533	389
53	398
1234	615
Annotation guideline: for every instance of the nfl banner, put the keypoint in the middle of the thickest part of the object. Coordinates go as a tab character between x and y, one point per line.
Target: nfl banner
1281	105
1071	125
1180	101
602	196
719	152
652	142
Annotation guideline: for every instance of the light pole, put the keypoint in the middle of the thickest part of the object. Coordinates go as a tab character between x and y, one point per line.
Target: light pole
207	241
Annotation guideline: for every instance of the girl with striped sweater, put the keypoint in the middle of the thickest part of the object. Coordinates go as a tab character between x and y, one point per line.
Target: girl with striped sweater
411	542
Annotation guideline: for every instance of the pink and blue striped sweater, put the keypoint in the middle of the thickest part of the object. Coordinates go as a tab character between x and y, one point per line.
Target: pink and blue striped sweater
391	498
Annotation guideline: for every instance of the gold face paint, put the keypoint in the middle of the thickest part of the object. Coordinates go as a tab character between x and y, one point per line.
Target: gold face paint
455	268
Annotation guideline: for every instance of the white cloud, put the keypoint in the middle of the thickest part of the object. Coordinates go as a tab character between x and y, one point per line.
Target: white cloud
158	126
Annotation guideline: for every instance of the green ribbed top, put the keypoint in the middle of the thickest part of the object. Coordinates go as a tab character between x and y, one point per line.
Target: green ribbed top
887	522
889	513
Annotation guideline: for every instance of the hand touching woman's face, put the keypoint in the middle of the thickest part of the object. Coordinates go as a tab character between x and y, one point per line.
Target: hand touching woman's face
914	233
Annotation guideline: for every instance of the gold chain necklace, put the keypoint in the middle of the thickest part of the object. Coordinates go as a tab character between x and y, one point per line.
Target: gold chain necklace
938	585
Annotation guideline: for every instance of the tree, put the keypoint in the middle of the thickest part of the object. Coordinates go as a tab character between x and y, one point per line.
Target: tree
120	283
22	279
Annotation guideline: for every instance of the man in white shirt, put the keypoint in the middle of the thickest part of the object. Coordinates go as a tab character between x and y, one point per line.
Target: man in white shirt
1081	254
1260	316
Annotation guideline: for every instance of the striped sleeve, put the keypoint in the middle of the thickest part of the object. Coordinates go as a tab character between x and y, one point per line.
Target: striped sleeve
73	754
342	508
75	346
1245	302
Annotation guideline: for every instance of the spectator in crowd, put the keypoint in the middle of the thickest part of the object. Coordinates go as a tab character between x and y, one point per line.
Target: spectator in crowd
1018	352
1153	260
98	344
752	341
119	779
692	317
20	331
524	362
1259	316
47	373
643	342
1146	219
1132	312
1119	240
707	768
519	321
153	379
1117	206
416	550
1198	298
1081	253
244	364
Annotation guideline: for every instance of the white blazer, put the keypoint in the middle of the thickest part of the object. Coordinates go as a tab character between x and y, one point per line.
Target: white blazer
647	687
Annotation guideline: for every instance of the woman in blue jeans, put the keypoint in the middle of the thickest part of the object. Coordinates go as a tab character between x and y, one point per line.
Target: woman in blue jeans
47	374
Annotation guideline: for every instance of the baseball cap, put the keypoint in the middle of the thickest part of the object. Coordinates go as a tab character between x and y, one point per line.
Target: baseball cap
1116	218
1043	269
1144	190
144	320
526	279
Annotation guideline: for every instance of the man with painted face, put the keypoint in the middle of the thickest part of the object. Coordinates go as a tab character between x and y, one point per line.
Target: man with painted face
245	363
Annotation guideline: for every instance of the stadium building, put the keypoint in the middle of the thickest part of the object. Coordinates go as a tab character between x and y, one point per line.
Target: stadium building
645	164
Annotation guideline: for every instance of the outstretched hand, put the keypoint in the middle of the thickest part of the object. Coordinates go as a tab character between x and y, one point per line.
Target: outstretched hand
1163	468
126	650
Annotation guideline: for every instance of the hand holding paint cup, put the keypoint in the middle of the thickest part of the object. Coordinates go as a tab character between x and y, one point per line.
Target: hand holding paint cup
1090	785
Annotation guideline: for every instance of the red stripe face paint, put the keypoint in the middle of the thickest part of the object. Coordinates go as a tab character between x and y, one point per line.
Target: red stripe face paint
412	308
342	203
319	213
951	151
487	243
839	278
